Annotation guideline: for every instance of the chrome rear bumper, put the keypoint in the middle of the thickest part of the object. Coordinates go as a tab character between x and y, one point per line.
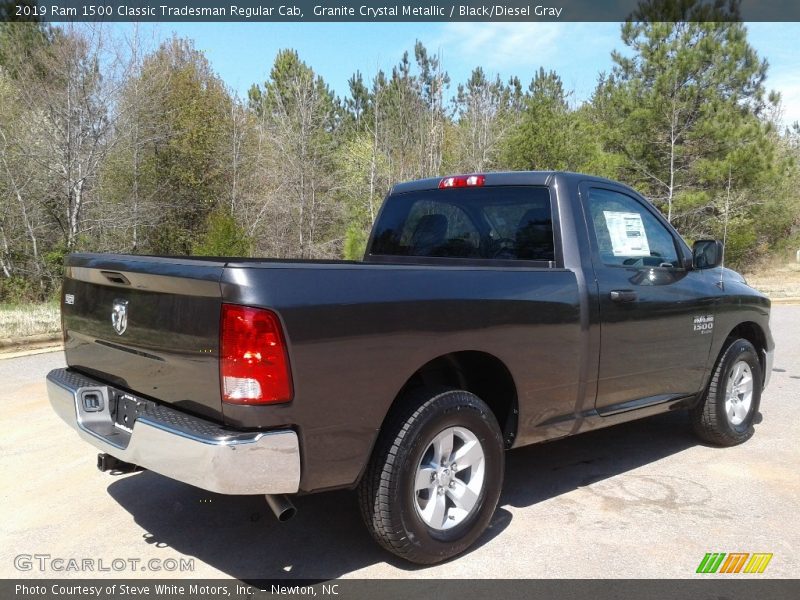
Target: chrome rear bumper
177	445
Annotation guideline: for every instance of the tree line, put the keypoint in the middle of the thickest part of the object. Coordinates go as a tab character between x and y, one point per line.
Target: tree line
108	146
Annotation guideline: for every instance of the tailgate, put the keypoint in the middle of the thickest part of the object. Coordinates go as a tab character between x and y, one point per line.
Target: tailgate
146	324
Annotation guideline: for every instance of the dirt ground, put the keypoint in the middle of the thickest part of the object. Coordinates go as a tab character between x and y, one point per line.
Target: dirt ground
781	281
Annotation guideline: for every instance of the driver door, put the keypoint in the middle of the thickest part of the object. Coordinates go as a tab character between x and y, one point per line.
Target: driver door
650	350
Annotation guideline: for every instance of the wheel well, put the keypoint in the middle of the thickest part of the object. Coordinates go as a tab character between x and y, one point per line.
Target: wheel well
480	373
753	334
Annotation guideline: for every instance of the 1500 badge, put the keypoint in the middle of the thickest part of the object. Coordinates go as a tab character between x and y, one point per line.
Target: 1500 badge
704	323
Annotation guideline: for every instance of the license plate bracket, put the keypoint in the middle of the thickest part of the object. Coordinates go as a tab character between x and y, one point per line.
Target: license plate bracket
127	409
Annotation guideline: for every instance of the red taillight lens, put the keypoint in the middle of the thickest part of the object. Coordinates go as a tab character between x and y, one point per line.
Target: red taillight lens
253	364
459	181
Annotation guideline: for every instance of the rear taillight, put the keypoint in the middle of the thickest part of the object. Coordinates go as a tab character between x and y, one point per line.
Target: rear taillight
460	181
253	363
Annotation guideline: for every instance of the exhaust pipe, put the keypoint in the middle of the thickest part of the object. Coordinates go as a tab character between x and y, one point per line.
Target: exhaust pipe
281	506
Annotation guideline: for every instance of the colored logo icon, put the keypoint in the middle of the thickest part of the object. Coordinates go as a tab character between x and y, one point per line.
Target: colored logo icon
734	562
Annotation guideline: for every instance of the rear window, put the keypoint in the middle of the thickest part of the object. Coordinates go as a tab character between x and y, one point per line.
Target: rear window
501	223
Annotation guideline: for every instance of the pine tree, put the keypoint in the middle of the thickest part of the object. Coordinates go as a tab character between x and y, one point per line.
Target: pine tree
682	108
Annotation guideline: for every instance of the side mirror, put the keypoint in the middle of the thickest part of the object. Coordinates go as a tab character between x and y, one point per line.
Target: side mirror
707	254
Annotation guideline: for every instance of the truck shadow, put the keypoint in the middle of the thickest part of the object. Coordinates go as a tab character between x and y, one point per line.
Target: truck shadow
239	537
592	460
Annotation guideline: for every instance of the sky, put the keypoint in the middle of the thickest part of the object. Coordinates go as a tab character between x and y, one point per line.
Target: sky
242	53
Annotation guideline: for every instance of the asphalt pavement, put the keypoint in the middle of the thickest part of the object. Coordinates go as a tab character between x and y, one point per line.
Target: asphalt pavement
640	500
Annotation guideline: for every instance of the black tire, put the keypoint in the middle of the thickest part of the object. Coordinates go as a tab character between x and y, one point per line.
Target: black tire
386	492
709	418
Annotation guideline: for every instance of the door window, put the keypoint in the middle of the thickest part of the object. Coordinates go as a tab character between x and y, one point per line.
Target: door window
627	233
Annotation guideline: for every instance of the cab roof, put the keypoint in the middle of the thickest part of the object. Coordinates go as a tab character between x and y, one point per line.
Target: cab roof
505	178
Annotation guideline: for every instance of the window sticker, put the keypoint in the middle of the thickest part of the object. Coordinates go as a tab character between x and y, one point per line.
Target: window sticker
628	237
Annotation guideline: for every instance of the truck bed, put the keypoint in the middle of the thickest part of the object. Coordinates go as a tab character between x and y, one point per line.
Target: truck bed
356	332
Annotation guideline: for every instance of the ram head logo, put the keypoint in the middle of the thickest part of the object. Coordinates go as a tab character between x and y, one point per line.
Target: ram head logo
119	316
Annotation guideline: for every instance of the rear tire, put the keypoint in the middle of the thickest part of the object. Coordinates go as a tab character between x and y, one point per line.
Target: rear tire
415	498
726	413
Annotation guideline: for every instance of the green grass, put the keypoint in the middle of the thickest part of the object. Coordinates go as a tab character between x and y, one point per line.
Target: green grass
24	320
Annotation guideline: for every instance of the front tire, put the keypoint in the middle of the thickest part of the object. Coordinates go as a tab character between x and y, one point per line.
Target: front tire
726	413
434	479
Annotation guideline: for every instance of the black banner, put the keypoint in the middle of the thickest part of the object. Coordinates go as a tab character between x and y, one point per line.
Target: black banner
707	587
361	11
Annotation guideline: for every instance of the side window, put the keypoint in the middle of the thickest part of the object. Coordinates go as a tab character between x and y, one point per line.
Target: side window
627	233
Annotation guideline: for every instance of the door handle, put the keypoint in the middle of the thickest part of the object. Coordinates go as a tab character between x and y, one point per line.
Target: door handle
623	296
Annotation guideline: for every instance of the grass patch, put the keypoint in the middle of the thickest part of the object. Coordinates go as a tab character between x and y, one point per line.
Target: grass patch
777	281
23	320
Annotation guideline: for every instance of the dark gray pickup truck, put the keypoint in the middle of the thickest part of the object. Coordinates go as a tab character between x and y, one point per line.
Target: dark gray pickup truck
490	312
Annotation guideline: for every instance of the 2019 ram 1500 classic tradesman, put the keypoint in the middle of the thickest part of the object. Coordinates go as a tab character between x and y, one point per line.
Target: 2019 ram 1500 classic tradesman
490	312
